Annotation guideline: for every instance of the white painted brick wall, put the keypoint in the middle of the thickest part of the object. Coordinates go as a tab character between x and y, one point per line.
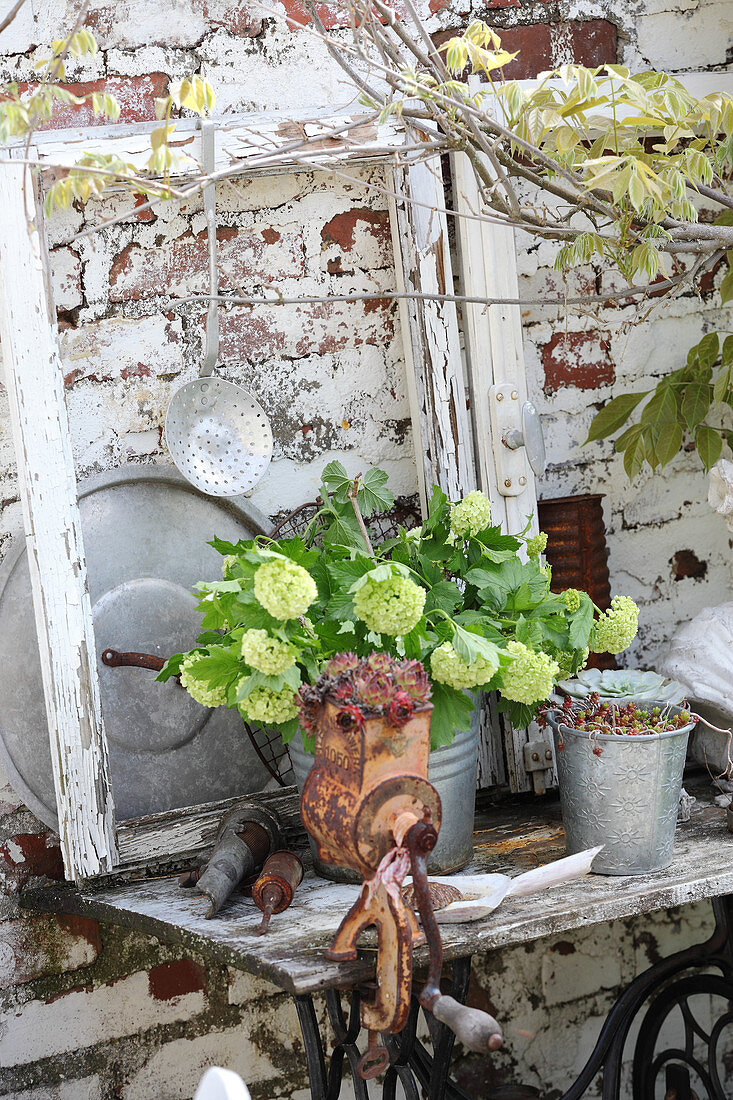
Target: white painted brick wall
84	1017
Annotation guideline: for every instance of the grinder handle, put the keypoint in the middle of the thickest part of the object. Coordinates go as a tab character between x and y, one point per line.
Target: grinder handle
477	1030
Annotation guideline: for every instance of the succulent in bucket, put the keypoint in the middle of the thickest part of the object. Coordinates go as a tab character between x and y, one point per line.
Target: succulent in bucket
599	716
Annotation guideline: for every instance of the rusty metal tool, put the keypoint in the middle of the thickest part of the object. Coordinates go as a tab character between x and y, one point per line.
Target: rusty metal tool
368	804
246	836
278	880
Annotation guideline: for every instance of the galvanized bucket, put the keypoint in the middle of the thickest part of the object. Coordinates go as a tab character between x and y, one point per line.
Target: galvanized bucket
452	771
626	798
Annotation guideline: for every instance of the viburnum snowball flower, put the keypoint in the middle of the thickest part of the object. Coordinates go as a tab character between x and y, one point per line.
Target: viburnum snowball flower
565	660
617	627
284	589
470	515
392	606
448	668
269	707
571	599
265	653
536	545
197	689
531	675
228	563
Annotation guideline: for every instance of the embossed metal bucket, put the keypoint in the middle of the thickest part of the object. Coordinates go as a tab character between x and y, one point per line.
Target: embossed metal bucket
452	771
626	798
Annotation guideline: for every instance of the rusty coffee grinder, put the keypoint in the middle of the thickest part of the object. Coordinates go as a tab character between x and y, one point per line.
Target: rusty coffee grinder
368	805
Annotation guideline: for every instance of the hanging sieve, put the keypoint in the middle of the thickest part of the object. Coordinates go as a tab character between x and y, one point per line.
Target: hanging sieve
218	435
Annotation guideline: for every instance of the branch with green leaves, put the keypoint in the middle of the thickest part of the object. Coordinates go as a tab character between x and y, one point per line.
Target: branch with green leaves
21	114
677	412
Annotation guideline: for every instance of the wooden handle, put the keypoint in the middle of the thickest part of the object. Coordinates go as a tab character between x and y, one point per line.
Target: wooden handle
475	1029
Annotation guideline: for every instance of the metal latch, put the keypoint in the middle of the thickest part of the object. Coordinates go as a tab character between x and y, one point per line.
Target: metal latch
537	760
516	438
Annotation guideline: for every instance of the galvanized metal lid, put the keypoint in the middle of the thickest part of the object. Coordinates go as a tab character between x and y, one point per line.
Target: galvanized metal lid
146	531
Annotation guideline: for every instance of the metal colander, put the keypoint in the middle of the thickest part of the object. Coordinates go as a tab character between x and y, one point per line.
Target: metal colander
219	437
217	433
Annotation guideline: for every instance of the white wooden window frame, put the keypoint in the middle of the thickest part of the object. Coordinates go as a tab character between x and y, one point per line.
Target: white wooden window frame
447	449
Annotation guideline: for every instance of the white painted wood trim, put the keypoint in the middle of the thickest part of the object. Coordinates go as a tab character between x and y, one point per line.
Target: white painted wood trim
495	353
430	328
61	604
240	141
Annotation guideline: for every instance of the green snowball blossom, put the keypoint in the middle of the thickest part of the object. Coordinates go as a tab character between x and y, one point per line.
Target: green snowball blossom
617	627
571	598
470	515
230	560
269	707
448	668
565	660
265	653
536	545
392	606
197	689
284	589
531	675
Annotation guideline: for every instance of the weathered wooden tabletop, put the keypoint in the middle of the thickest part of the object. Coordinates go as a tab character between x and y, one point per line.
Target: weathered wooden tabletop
510	839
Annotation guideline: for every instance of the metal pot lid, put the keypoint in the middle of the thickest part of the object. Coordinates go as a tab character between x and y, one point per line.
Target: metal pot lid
146	533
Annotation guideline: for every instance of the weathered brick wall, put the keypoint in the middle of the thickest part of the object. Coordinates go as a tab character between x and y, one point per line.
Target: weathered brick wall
90	1013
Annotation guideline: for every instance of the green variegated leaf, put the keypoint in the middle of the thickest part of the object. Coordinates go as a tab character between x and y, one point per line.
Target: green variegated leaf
614	414
709	445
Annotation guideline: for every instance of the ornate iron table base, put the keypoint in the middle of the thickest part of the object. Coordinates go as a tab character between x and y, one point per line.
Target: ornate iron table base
681	984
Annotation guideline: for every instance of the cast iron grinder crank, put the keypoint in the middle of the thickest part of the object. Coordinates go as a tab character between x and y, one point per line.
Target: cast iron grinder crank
368	805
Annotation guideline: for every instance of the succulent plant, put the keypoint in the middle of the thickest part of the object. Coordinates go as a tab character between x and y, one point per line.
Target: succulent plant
377	685
623	683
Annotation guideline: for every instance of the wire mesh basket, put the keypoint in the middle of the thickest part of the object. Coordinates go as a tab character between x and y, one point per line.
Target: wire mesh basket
268	743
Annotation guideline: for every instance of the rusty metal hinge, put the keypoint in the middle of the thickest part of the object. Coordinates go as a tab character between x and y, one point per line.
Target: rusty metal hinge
537	761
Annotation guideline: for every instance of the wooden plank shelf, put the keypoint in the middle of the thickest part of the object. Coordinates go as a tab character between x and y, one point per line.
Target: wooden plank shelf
513	837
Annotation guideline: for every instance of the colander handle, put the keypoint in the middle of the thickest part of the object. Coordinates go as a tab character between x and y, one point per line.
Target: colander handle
208	163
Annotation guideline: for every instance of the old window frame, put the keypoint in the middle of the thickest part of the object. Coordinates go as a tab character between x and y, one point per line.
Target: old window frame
447	449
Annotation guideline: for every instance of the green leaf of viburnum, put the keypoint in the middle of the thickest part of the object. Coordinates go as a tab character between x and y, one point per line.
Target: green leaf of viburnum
171	667
520	715
219	666
452	711
337	481
290	678
709	445
614	414
288	730
581	623
437	509
470	646
444	595
529	632
373	496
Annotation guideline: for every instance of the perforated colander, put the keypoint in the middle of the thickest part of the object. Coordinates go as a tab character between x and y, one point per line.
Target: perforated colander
218	435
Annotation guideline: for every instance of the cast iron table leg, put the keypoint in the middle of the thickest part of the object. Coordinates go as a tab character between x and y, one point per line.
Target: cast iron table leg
669	986
412	1066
